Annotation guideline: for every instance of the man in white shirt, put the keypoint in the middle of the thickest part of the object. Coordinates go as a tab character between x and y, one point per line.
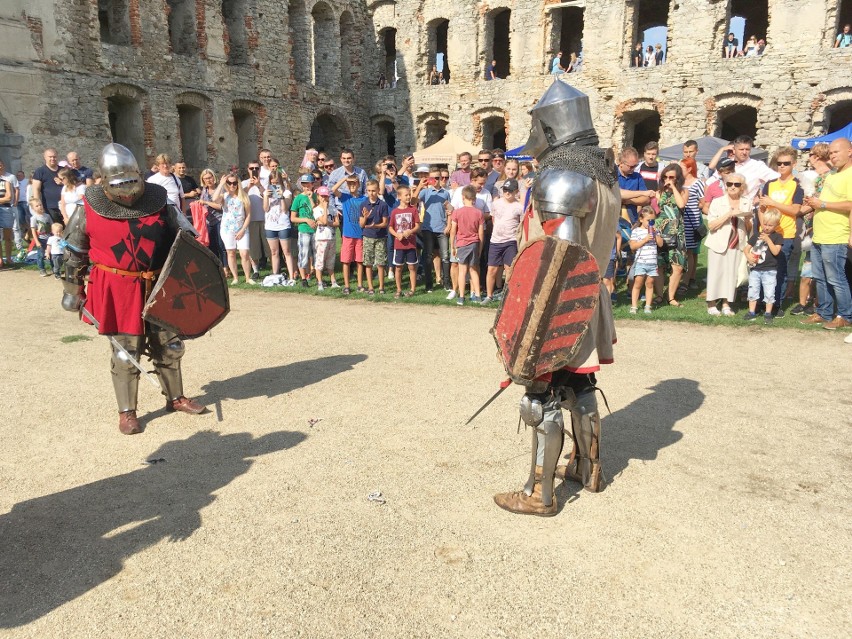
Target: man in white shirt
265	157
165	178
258	246
755	172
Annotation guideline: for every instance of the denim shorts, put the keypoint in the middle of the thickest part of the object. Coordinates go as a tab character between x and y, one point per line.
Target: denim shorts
807	268
639	268
285	234
767	279
306	249
7	217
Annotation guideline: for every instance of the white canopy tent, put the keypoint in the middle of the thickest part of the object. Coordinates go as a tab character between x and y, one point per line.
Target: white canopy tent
444	151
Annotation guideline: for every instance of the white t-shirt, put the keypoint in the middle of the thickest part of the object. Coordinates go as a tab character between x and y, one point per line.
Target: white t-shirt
264	176
255	196
324	232
53	247
646	254
72	199
174	190
756	174
483	200
278	216
507	218
11	179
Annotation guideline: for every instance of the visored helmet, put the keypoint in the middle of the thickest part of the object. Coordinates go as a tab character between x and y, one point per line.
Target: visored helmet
561	116
121	179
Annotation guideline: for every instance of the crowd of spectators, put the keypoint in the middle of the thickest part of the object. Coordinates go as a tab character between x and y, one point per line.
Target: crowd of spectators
453	228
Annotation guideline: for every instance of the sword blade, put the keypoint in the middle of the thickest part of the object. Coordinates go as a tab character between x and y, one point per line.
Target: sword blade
114	342
486	404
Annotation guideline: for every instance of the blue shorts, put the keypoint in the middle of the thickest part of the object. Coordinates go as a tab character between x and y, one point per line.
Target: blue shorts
280	235
404	256
644	269
807	269
610	270
502	253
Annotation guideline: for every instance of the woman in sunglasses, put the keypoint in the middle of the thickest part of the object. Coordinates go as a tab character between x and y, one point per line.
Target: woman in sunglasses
728	223
234	226
671	199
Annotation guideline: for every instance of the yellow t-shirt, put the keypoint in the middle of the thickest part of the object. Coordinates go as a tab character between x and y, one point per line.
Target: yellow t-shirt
832	226
783	193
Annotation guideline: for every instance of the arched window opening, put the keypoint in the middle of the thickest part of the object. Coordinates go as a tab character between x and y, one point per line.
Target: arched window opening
125	125
300	36
438	36
494	133
838	116
236	38
747	18
641	127
384	138
348	50
567	35
182	32
328	134
326	46
387	42
736	120
498	41
245	126
434	131
648	25
114	21
193	136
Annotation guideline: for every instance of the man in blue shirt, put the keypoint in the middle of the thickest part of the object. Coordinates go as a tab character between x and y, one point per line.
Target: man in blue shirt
434	200
634	192
347	160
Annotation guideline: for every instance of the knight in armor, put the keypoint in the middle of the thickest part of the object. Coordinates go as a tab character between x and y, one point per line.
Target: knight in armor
121	235
575	199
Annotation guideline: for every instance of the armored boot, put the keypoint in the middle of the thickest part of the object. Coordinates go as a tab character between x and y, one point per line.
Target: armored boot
125	382
584	465
167	350
542	413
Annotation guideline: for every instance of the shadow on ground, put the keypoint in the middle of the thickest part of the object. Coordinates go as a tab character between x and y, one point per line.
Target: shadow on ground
57	547
641	429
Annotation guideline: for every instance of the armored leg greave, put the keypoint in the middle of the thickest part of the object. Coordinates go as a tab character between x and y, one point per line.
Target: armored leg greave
167	349
585	466
543	414
125	377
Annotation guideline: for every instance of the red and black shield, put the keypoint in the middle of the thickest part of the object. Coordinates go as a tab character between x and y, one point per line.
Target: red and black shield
551	298
191	294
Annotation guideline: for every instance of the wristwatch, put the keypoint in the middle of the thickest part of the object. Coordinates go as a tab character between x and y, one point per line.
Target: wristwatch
822	204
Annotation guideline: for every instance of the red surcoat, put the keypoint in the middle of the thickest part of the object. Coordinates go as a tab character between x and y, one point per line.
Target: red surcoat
137	245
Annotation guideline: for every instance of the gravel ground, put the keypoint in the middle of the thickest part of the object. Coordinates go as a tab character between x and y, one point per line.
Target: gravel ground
727	512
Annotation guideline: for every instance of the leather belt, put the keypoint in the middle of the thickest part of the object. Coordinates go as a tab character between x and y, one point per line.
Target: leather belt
148	276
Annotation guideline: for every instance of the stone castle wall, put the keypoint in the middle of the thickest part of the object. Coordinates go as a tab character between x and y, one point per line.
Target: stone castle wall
242	74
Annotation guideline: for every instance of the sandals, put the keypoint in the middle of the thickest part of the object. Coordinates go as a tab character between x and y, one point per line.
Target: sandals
397	295
675	303
409	294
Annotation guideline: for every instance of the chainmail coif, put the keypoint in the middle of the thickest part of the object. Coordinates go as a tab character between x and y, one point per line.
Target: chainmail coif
585	160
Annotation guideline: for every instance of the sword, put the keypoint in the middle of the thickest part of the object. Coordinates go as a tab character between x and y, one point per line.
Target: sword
85	313
488	403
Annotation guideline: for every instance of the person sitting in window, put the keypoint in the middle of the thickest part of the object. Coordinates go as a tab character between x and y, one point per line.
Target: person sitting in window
844	38
383	83
556	67
441	78
750	49
573	62
761	46
433	76
490	73
731	46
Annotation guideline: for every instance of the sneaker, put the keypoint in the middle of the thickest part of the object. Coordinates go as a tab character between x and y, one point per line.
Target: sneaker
335	285
727	312
778	313
346	290
58	276
250	281
715	312
798	309
290	283
429	290
648	310
633	310
767	318
43	273
812	319
304	283
460	301
848	339
749	317
320	286
451	295
255	276
475	298
809	310
486	300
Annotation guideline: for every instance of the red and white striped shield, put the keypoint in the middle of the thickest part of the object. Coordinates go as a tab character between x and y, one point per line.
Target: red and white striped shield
551	298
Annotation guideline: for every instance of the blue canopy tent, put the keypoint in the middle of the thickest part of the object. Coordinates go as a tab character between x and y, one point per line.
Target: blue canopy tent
517	154
808	143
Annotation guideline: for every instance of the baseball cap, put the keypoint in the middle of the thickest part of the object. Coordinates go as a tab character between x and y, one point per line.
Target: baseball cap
307	178
323	190
510	185
423	168
727	163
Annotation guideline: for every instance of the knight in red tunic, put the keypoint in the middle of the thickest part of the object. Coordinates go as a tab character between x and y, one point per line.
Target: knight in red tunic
555	325
121	236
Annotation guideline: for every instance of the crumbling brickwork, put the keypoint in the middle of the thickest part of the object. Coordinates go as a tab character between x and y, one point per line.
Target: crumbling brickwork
311	69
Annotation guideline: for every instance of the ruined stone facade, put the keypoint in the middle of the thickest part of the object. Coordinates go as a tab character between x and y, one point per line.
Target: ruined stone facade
215	80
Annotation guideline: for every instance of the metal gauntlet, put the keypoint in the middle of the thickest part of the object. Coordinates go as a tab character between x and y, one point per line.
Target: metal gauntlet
76	260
